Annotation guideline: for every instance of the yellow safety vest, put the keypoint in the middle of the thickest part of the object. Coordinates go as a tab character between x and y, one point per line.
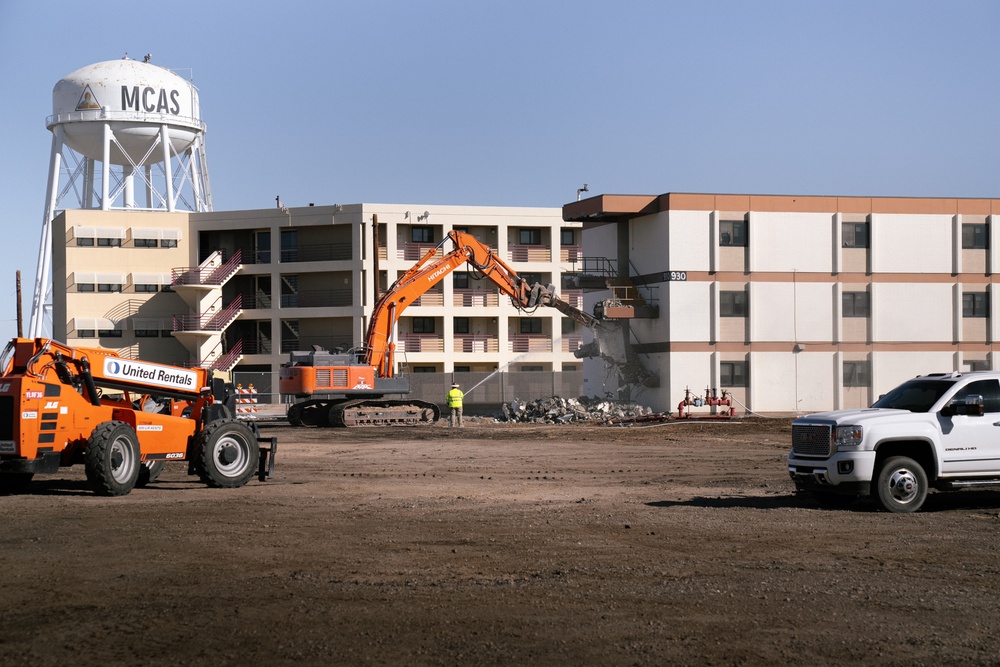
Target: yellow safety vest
455	397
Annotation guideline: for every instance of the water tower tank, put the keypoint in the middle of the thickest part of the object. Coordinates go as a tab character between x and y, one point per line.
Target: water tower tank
136	99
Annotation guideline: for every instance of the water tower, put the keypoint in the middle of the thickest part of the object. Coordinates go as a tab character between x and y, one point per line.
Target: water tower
116	124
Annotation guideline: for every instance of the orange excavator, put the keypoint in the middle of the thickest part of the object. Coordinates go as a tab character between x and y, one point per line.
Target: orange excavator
349	389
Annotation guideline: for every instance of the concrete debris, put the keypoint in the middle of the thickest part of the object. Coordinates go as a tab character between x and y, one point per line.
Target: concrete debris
557	410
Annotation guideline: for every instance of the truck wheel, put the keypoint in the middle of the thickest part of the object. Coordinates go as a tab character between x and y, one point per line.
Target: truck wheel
227	454
901	485
111	459
148	472
294	415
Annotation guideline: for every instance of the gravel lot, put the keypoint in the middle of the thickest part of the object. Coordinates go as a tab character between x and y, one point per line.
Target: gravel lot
495	545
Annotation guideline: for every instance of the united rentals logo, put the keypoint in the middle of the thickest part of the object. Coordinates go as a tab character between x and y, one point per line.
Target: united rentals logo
150	374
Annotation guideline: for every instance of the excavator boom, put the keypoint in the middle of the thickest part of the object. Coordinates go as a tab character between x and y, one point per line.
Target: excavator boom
341	392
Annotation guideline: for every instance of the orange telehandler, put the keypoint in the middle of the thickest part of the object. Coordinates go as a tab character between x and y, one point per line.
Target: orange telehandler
122	419
349	389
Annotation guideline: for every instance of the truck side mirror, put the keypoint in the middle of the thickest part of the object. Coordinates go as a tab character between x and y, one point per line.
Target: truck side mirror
971	406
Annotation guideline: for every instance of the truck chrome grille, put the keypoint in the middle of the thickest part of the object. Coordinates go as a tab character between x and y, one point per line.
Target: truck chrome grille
812	440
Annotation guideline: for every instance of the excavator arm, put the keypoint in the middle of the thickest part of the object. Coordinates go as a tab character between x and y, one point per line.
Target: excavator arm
430	270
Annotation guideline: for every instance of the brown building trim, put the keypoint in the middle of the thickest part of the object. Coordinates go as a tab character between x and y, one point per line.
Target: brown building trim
826	346
620	208
822	277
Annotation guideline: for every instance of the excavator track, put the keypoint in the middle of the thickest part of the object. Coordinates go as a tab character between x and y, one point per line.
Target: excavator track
367	412
363	412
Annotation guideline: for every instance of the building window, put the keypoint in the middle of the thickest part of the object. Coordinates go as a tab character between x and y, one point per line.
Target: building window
109	287
975	236
733	233
262	247
568	325
85	242
567	237
530	325
109	333
168	243
146	288
531	278
975	304
145	243
461	325
85	287
463	369
978	364
856	374
855	304
147	333
423	325
532	369
424	369
530	236
109	243
732	304
86	333
460	280
854	234
421	235
733	373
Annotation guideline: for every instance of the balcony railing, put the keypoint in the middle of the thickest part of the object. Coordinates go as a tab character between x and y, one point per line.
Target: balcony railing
476	343
331	343
570	253
573	297
529	253
324	298
414	251
431	298
467	298
529	343
572	342
213	321
258	345
409	342
319	252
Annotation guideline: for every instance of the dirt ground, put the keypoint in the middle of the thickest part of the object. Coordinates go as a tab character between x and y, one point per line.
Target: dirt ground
497	545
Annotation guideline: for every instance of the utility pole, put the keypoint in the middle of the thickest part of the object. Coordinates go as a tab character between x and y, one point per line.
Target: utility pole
20	331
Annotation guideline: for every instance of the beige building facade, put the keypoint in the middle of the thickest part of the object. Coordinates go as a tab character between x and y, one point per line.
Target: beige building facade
239	290
797	303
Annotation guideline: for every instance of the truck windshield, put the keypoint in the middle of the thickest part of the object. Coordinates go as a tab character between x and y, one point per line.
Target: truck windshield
915	395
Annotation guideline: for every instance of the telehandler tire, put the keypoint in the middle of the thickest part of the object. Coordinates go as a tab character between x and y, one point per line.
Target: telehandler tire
111	459
148	472
226	454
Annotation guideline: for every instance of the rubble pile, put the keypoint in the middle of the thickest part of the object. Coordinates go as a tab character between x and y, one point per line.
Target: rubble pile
556	410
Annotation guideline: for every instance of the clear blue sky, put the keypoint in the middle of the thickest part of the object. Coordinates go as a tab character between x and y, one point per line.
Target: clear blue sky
520	102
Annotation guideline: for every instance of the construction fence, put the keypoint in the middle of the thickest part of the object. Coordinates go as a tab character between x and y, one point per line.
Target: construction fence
484	392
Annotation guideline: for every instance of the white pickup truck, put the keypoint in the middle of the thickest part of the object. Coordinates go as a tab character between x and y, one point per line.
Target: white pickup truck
937	431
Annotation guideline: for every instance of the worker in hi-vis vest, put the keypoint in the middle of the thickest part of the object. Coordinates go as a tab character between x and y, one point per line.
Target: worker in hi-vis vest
455	397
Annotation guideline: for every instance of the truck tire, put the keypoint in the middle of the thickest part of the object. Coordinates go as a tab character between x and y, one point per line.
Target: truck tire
901	485
226	454
111	459
148	472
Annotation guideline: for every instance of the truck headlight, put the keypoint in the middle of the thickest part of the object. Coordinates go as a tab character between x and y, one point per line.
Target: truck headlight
849	436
